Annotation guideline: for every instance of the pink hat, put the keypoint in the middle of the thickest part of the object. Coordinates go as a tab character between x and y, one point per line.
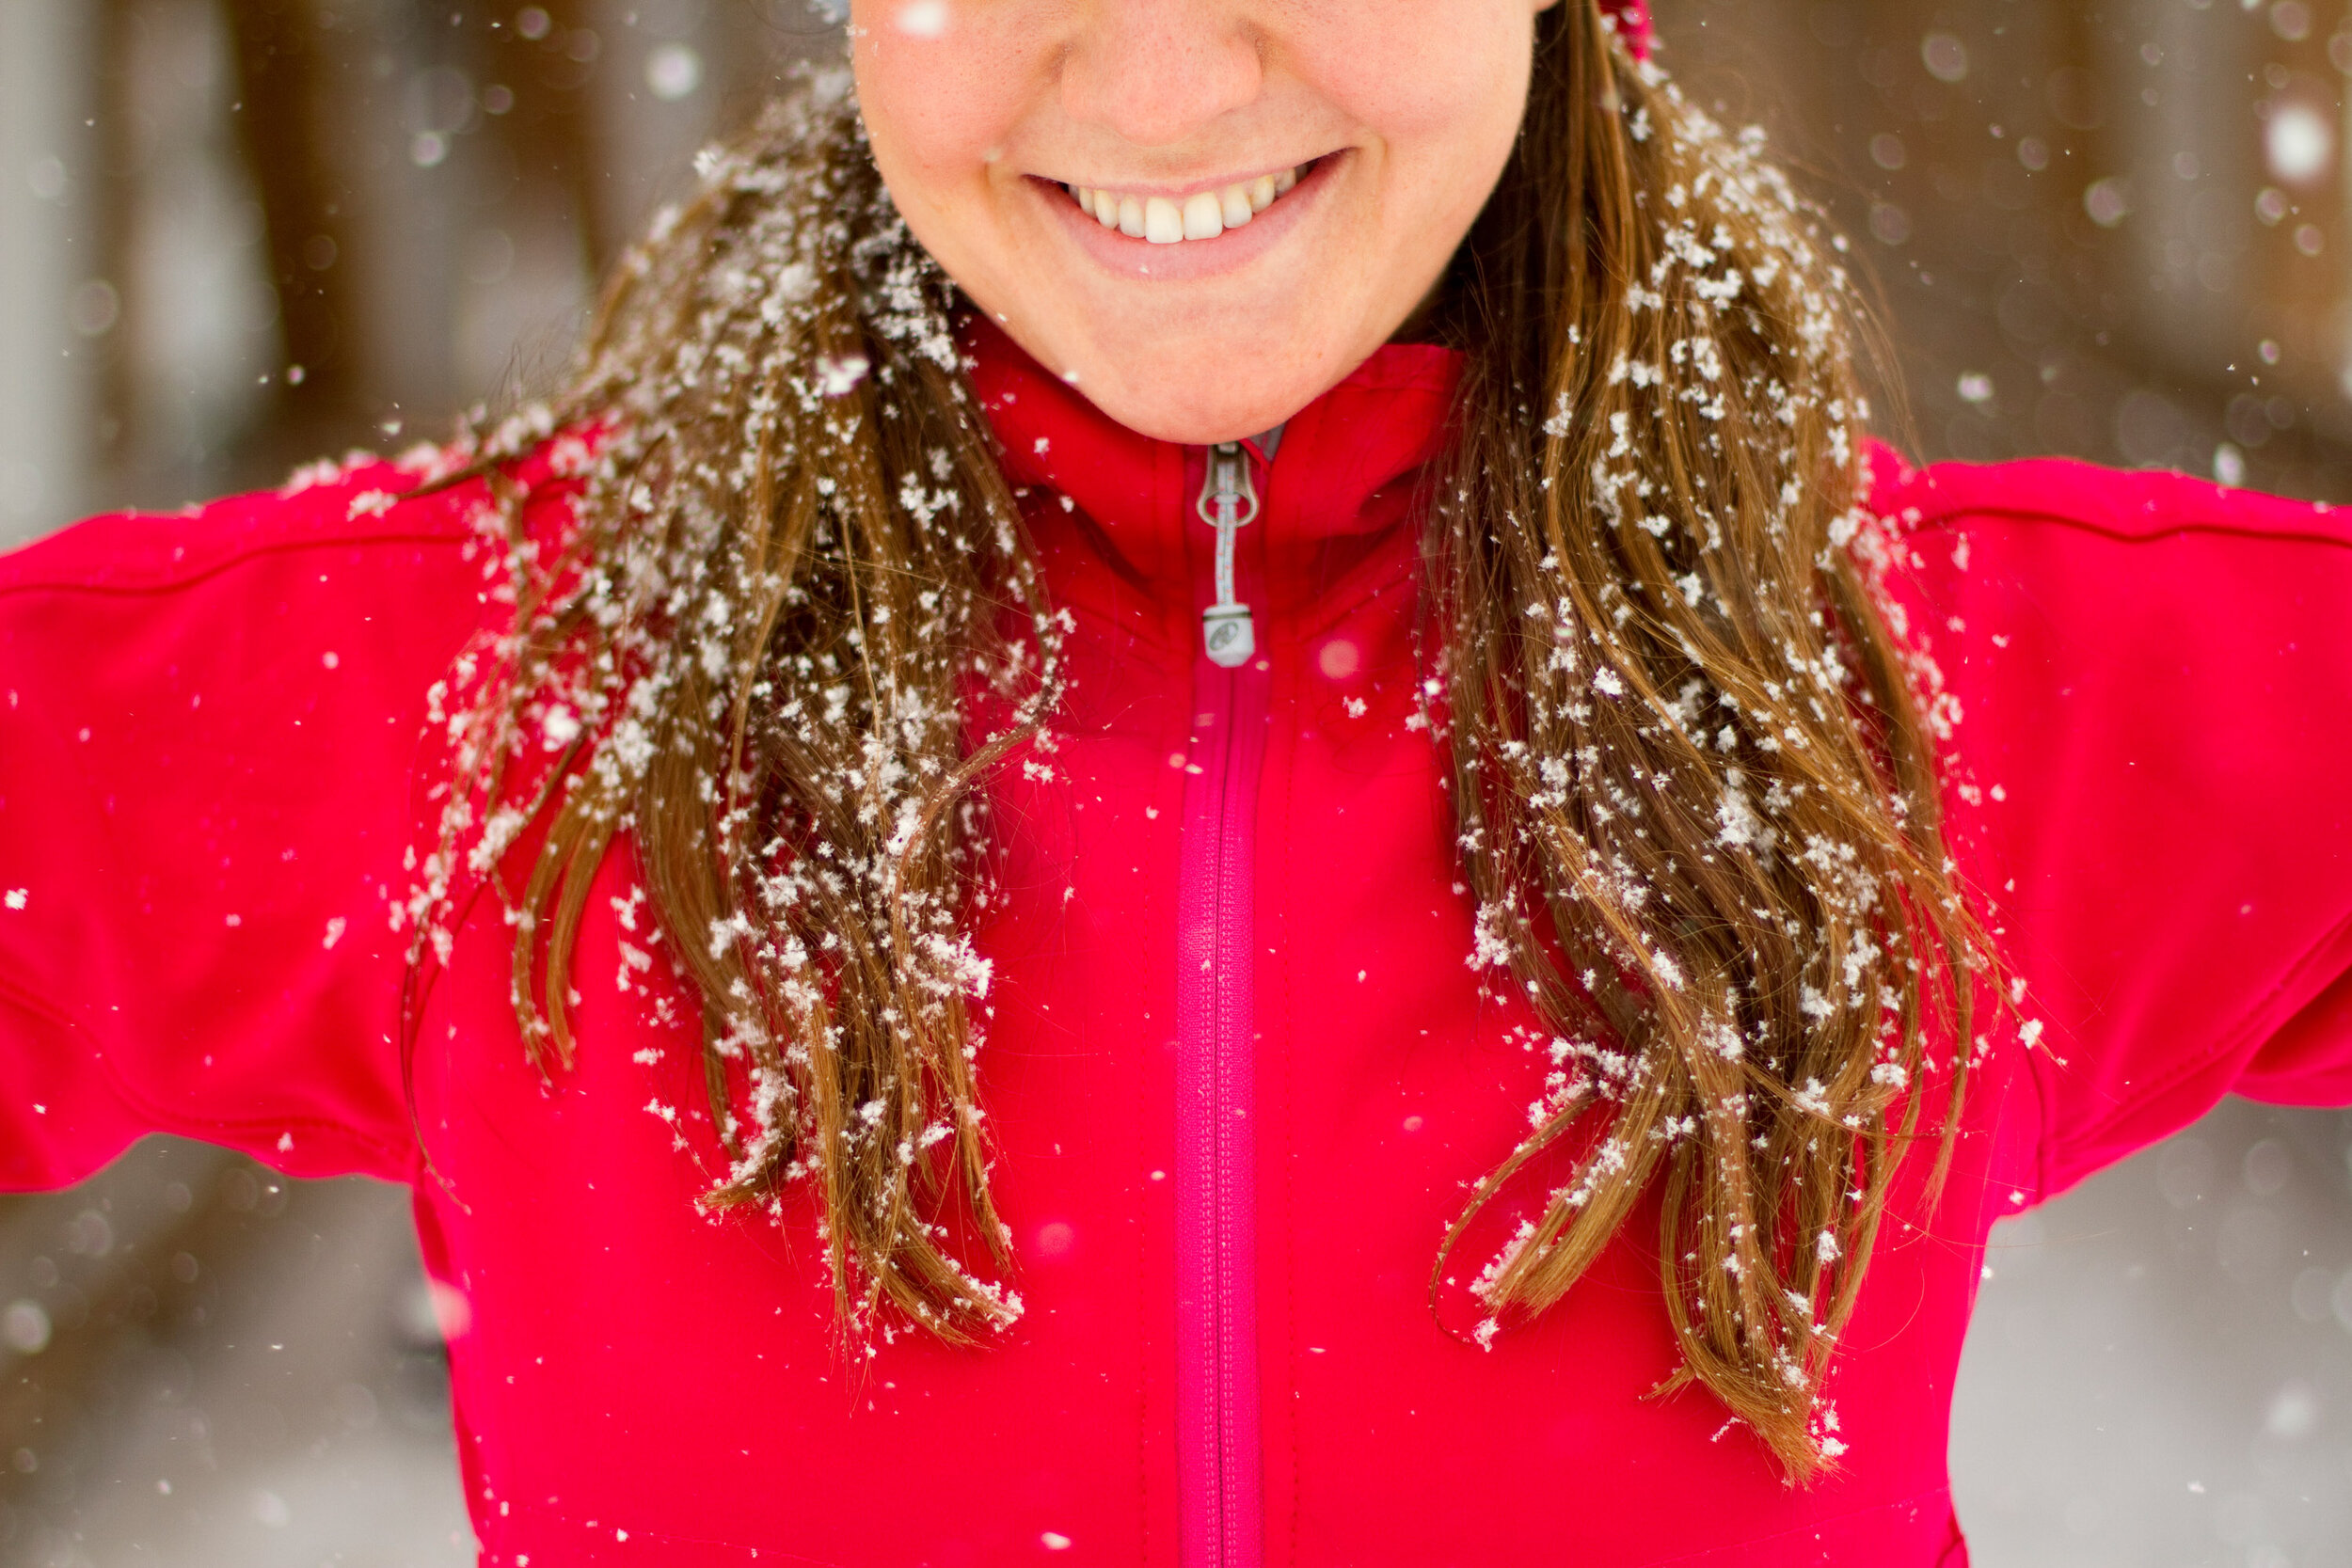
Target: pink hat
1633	21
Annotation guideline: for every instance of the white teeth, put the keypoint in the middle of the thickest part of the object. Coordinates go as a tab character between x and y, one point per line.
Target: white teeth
1162	224
1202	215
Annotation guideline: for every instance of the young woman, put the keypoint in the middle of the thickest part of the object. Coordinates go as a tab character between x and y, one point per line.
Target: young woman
1204	806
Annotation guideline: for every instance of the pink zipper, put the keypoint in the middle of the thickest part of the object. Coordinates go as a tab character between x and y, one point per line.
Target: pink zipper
1221	1478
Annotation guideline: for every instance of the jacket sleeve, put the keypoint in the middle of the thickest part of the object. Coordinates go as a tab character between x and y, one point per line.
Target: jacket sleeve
210	726
2148	682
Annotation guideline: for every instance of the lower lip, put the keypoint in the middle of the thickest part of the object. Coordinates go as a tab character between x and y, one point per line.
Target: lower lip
1126	257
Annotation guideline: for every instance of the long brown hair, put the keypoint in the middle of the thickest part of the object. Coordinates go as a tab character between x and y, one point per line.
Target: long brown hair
1694	781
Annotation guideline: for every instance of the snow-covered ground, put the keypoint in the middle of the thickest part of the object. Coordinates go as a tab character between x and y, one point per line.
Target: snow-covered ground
2160	1371
287	1410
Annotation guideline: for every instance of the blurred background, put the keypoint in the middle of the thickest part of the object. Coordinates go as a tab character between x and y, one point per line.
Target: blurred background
235	234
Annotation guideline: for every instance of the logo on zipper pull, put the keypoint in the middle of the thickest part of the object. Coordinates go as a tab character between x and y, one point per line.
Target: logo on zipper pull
1229	503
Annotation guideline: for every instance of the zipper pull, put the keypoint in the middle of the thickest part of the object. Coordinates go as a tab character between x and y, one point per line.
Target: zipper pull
1228	502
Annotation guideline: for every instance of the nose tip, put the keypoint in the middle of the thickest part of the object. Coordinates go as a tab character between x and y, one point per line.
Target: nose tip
1156	72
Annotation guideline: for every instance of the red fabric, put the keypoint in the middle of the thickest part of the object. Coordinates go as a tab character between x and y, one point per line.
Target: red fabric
1633	21
2146	781
2147	668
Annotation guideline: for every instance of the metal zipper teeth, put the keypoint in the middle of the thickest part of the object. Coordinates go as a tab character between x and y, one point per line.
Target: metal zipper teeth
1221	1484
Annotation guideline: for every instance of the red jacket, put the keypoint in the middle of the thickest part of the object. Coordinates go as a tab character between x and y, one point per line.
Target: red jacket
1239	1074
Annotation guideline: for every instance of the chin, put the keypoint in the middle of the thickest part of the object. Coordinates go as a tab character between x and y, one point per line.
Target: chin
1199	420
1221	389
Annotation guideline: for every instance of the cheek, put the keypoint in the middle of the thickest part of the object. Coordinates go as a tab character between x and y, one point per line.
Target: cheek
935	108
1445	81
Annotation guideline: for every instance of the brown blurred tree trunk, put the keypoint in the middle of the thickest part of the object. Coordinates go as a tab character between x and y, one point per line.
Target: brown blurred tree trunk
551	129
114	229
283	133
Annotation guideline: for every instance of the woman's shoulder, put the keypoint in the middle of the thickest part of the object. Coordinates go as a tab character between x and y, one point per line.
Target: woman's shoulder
221	735
2025	583
2125	505
433	503
2138	679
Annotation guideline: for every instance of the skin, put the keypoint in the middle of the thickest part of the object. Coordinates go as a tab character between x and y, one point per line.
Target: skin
980	110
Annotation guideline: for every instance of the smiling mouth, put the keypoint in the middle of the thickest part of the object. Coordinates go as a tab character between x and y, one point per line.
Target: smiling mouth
1172	220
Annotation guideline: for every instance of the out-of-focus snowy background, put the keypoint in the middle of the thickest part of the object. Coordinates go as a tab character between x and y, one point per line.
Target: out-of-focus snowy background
2115	230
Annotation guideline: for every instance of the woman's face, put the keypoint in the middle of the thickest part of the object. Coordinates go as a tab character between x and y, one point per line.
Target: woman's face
1218	298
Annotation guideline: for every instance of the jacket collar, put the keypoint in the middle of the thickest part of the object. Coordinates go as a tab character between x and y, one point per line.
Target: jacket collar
1339	488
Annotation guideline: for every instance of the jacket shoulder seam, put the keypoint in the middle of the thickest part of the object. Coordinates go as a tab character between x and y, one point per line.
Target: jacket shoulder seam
2129	504
197	573
1958	513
